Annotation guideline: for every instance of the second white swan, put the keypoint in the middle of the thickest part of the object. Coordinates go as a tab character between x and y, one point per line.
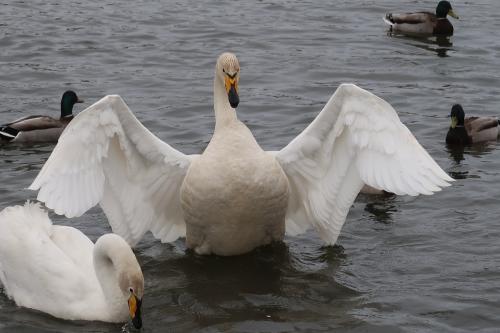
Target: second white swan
58	270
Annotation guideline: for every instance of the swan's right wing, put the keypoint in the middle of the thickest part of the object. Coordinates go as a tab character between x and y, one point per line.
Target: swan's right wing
106	156
356	139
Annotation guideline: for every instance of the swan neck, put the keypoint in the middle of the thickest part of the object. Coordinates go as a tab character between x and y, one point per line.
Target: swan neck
108	263
224	113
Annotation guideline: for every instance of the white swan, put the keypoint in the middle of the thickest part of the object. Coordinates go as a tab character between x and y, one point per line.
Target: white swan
234	196
58	270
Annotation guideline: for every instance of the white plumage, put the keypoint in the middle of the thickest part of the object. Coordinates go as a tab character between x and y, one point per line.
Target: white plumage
58	270
234	196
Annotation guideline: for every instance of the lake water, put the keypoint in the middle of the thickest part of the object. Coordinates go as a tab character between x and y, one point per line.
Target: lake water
401	264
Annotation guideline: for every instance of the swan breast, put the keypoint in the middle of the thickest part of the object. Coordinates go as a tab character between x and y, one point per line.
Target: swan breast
234	199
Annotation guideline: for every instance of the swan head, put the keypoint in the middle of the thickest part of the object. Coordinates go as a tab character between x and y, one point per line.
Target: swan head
132	286
116	266
228	71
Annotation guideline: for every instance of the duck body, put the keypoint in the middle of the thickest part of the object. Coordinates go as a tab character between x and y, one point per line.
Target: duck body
34	129
55	269
474	130
234	196
423	23
37	128
469	130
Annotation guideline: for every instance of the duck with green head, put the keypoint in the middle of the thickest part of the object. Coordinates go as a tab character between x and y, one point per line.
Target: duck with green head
471	129
33	129
423	22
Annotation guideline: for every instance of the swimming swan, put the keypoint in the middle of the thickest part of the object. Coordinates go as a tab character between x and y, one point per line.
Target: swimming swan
58	270
234	196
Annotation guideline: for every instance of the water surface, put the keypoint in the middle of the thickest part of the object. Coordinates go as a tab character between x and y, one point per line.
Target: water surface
401	264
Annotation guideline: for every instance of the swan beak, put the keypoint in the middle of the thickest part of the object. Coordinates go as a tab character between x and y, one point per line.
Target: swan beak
452	14
134	306
232	91
454	122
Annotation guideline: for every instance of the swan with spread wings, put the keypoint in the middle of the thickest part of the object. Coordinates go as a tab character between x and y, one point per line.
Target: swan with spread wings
234	196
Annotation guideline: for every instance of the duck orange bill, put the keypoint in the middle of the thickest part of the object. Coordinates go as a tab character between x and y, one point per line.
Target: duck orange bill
134	306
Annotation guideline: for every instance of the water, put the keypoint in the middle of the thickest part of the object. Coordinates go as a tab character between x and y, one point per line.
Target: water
401	264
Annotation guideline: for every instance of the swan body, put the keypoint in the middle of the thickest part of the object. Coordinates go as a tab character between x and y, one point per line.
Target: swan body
244	199
234	196
59	271
425	23
34	129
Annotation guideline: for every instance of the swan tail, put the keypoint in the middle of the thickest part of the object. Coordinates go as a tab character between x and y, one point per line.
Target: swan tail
29	217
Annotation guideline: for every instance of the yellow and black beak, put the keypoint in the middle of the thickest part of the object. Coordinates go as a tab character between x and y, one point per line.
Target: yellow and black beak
454	122
452	14
134	306
232	90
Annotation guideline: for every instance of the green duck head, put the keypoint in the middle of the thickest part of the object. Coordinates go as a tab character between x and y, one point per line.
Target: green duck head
457	116
69	98
444	8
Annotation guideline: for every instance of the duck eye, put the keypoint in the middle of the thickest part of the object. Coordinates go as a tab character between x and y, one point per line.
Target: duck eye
131	290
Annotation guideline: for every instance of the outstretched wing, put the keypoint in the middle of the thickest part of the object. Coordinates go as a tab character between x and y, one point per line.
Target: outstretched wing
357	139
106	156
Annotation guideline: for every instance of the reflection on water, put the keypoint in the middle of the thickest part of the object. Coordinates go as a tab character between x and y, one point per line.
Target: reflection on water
382	209
159	55
438	44
458	153
273	283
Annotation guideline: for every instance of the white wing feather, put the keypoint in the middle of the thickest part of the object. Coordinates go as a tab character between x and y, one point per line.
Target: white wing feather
107	156
357	139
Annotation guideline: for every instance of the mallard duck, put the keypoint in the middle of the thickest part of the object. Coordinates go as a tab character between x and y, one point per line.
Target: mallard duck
423	22
472	129
234	196
59	271
32	129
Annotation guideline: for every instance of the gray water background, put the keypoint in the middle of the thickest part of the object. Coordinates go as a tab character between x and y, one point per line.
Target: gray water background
401	264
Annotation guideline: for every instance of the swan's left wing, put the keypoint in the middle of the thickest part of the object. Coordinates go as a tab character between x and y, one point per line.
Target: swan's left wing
106	156
357	139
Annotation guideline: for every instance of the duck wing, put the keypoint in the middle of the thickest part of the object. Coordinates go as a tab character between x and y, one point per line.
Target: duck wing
481	128
10	131
34	122
410	18
106	156
356	139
